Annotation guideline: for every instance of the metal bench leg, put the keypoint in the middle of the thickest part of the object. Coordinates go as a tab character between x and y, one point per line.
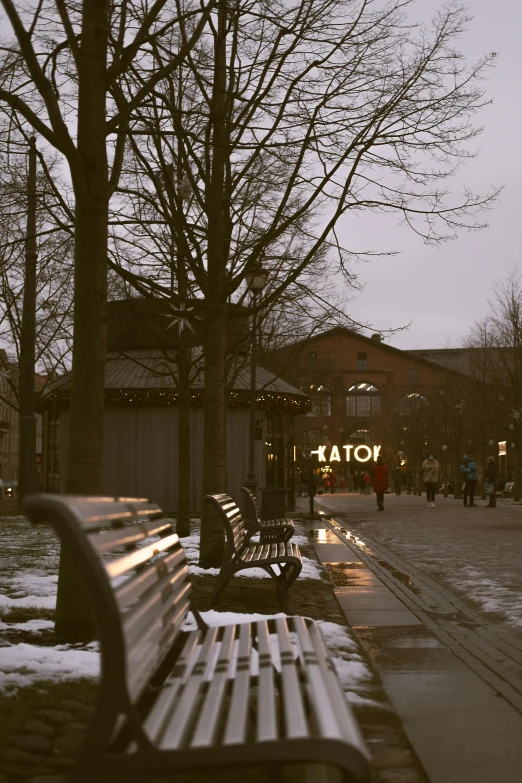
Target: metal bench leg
221	582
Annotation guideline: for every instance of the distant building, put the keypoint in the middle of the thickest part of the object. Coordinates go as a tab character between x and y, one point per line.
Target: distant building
368	394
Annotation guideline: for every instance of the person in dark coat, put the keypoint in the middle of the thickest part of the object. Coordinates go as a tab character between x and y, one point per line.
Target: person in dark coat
380	482
491	477
397	480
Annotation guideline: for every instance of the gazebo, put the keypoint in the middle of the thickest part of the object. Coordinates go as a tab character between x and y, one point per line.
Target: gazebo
141	427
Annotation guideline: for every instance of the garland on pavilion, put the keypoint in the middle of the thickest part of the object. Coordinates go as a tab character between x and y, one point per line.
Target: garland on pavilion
141	398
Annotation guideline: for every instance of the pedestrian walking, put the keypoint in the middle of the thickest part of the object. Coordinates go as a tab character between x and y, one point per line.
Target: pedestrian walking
342	485
430	477
380	482
303	482
469	468
362	483
367	483
397	480
332	482
490	482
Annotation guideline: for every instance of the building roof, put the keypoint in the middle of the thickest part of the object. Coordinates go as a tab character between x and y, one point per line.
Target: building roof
420	356
457	359
156	369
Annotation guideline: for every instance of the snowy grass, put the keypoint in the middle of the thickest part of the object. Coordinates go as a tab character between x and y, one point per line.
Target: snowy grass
311	569
25	664
28	578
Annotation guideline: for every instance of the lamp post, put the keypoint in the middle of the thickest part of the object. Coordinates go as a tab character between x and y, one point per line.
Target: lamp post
444	469
457	479
256	281
27	471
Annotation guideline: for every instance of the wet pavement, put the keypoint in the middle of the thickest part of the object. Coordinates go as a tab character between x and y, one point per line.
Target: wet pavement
435	597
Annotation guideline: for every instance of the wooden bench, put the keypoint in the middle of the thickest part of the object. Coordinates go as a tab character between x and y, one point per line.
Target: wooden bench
252	694
270	530
239	554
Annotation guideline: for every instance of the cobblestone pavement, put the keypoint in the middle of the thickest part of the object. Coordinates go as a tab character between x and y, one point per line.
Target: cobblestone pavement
440	563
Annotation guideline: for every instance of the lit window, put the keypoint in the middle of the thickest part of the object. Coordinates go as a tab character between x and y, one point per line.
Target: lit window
363	400
321	400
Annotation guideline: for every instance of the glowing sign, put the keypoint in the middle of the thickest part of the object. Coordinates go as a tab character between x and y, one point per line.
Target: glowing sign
502	448
361	453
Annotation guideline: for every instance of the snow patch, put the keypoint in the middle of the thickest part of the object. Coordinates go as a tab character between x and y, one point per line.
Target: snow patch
32	626
25	664
490	594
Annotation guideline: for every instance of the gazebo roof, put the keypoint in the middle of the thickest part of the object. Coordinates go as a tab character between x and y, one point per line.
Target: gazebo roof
147	377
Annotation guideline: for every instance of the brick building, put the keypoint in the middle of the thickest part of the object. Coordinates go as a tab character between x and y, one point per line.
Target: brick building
367	394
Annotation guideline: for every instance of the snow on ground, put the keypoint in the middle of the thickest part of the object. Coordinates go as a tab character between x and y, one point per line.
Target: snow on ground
311	569
25	664
28	577
490	594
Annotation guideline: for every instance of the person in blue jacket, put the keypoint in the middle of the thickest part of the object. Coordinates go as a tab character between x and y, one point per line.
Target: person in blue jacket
469	469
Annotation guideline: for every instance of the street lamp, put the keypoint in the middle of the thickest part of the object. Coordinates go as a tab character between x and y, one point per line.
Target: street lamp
444	469
256	280
457	489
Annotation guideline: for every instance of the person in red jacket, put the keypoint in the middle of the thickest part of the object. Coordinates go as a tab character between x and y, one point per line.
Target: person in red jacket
380	482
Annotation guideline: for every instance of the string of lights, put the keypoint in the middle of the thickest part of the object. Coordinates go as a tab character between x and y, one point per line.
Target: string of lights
140	398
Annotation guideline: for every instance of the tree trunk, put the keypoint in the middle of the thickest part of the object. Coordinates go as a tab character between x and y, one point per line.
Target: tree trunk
183	510
84	464
214	438
217	209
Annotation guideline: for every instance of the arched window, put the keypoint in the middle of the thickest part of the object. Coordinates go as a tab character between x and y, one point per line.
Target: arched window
311	439
363	400
412	403
321	400
362	436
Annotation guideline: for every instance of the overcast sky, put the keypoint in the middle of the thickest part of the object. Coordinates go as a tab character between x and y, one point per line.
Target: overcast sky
442	291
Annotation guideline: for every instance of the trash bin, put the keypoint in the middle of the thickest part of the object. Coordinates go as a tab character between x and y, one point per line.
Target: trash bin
273	502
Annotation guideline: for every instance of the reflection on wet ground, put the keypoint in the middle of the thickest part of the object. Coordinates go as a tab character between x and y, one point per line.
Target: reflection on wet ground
349	574
322	537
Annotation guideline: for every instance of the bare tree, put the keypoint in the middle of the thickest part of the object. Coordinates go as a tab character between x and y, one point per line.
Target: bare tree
293	116
503	329
65	66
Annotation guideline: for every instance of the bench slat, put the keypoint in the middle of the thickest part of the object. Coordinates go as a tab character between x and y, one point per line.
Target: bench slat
294	711
101	512
139	556
149	652
236	727
177	730
155	723
325	718
337	698
130	591
207	728
267	725
125	536
157	603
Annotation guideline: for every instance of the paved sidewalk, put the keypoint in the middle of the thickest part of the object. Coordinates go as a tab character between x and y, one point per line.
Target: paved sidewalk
452	671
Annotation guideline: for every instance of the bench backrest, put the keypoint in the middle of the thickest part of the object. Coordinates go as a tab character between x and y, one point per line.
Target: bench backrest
232	519
252	514
135	571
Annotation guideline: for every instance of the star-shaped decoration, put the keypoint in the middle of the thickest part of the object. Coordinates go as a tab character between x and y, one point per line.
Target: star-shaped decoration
180	318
